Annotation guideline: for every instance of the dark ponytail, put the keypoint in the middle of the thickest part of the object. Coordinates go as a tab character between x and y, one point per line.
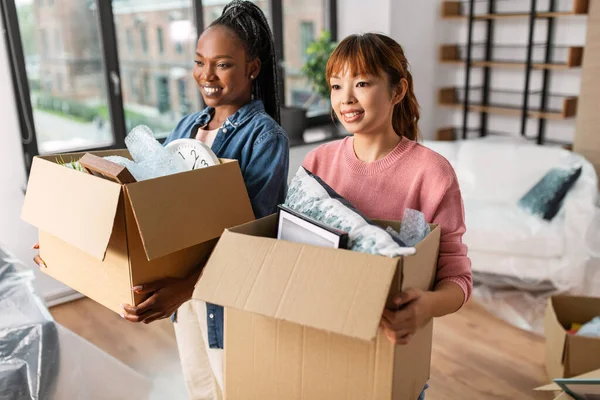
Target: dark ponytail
249	23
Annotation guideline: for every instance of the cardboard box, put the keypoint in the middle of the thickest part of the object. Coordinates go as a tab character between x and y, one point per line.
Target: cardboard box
560	394
102	238
302	322
570	355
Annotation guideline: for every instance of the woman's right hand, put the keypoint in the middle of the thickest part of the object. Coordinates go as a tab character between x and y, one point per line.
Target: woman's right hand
37	259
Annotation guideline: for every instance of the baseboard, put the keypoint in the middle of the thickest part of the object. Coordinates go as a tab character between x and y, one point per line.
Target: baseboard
61	296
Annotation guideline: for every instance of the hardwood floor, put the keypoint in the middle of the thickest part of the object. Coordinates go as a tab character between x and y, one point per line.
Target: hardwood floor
475	355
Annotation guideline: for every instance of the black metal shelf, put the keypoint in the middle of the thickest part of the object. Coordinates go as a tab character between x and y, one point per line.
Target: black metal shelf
544	56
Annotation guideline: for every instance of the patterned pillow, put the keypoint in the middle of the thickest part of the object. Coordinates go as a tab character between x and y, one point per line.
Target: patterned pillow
545	198
309	195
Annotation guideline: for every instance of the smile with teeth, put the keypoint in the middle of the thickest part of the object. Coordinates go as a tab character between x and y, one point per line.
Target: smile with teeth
211	90
350	116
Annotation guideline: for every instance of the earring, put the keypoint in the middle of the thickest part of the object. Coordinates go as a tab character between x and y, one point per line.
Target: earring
251	76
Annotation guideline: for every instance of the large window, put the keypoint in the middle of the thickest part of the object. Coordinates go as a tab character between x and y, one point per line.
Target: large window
64	68
157	66
303	21
94	69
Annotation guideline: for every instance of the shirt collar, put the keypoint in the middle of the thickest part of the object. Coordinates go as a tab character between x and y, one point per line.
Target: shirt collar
246	112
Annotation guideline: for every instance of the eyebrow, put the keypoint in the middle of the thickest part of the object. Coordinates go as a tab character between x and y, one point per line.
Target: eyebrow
220	56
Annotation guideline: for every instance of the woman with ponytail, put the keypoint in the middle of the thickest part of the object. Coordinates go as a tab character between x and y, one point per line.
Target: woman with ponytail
236	72
383	170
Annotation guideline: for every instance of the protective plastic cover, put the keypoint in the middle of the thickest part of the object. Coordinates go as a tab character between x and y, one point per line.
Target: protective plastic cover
28	336
40	359
520	260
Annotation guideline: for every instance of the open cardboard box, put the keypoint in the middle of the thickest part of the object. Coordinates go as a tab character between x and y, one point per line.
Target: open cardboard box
561	395
302	322
102	238
570	355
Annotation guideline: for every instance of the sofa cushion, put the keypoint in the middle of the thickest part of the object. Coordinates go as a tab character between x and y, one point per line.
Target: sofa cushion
505	229
545	198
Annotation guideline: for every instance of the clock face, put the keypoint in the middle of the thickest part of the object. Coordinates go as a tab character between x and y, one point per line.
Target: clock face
193	153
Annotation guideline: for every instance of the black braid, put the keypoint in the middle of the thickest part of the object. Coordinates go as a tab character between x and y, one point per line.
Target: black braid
249	23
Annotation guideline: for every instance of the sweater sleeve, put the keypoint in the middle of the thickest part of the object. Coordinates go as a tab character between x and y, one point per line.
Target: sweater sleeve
453	263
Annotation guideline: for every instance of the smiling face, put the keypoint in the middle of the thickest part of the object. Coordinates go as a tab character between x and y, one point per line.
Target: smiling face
222	71
362	102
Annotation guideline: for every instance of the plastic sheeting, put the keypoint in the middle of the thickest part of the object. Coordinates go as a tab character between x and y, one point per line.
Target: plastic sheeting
29	345
39	359
519	260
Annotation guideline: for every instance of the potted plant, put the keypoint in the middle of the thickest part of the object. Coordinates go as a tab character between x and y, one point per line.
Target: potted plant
293	119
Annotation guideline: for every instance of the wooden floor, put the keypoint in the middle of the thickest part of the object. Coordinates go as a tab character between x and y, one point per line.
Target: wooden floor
475	355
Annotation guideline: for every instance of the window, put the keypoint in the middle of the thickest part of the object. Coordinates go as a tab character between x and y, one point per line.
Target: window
44	42
307	36
212	9
147	89
129	39
160	39
57	42
71	108
144	39
303	21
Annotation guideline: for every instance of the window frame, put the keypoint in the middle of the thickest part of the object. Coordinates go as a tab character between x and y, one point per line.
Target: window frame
112	73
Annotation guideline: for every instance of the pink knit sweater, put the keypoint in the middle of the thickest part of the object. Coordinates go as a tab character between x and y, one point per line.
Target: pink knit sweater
410	176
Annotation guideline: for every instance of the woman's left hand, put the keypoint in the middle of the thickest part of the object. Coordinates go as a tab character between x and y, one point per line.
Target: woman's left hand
415	310
167	295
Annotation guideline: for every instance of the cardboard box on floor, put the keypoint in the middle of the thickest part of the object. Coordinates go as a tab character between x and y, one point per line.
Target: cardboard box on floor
561	395
302	322
102	238
570	355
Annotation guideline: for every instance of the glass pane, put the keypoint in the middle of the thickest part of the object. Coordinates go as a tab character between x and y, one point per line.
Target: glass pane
212	9
65	70
156	42
303	22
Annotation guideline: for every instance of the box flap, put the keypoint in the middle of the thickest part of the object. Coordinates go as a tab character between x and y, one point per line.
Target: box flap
179	211
553	387
71	205
555	342
335	290
583	354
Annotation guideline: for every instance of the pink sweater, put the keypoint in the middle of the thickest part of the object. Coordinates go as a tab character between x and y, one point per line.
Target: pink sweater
410	176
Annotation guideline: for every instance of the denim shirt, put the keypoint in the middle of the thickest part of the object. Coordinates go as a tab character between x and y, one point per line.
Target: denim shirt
261	147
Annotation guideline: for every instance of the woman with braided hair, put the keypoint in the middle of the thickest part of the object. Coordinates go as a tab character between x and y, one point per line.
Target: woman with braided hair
236	72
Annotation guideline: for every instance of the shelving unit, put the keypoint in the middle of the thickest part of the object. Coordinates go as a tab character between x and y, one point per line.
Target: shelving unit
451	54
486	54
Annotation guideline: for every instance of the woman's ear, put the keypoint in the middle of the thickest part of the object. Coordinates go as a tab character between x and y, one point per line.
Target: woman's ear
400	91
254	68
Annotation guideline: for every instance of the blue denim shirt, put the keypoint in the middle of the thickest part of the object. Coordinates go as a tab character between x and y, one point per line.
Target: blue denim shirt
261	147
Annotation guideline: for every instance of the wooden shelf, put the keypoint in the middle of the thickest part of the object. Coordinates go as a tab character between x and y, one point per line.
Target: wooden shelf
449	134
449	54
447	97
452	10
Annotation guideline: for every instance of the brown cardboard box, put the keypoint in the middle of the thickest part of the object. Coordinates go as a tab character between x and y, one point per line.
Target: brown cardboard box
569	355
561	395
102	238
302	322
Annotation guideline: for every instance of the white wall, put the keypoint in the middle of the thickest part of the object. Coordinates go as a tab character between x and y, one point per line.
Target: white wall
418	27
360	16
15	235
415	25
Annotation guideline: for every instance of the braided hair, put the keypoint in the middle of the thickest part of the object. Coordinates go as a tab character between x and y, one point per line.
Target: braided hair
249	23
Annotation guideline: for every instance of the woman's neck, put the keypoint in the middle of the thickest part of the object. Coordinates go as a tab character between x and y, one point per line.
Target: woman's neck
225	111
370	147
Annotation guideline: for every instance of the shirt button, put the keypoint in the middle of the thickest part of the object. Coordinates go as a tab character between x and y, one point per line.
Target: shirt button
211	316
224	130
236	124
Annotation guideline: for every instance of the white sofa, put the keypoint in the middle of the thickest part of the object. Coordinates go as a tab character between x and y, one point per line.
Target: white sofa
508	247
